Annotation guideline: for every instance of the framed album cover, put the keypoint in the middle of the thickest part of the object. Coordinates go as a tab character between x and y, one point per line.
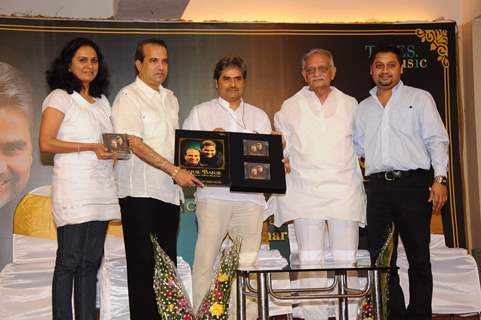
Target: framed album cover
245	162
205	154
117	142
256	163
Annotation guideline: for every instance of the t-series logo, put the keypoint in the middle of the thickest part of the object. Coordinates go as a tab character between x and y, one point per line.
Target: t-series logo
411	59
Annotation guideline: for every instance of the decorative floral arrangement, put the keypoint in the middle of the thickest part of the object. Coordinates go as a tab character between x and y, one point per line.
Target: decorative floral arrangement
172	300
384	260
365	311
215	304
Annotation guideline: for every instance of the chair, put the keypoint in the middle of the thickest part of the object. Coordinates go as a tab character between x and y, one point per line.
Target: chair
25	283
456	287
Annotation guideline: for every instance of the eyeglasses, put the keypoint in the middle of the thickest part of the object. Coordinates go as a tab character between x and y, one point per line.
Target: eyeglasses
321	69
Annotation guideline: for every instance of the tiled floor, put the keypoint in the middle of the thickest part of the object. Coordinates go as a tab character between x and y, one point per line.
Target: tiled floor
456	317
435	317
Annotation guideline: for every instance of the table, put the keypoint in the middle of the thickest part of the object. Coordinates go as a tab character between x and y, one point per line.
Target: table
336	290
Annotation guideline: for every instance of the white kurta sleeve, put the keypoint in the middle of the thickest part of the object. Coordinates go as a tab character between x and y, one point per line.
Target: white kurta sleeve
126	116
265	126
59	100
279	126
192	121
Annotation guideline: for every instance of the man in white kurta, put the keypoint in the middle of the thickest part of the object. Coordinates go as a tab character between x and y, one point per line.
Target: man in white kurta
324	185
219	211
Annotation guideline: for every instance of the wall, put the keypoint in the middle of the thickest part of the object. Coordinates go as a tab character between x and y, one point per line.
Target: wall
58	8
322	11
254	10
470	89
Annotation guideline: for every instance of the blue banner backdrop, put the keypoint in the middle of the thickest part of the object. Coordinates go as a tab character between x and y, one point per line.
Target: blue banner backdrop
272	52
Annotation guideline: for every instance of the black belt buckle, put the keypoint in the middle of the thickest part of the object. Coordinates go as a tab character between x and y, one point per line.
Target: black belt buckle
392	175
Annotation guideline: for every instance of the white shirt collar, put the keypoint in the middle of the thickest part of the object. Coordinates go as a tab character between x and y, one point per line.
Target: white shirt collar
373	91
307	89
147	90
226	105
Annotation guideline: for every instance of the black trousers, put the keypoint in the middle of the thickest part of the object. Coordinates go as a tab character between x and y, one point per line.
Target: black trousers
140	217
404	202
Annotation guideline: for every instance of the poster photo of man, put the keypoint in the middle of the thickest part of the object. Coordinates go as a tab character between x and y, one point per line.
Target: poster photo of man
15	137
192	157
201	153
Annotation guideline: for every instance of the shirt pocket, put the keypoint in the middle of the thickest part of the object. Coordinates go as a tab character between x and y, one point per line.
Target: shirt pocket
403	119
153	126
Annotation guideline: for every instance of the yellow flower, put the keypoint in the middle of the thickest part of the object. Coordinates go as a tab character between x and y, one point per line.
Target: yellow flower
170	307
216	309
222	277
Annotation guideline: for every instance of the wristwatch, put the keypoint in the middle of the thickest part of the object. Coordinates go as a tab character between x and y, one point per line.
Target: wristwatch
441	180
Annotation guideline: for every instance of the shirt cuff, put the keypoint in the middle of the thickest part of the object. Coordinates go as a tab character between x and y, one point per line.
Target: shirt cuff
440	172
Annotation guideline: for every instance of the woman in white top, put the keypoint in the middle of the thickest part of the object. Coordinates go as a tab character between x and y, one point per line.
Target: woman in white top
84	196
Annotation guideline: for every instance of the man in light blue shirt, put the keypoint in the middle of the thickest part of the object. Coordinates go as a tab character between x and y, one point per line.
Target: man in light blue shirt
401	135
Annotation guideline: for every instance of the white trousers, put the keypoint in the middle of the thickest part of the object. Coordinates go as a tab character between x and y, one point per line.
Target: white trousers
216	219
343	241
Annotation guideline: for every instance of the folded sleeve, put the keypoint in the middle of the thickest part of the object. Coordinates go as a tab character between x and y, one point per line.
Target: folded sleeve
126	115
59	100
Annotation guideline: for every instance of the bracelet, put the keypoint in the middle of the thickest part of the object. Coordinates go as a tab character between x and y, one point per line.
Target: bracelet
176	170
78	148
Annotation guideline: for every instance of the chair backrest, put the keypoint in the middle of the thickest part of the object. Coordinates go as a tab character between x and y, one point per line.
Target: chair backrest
33	216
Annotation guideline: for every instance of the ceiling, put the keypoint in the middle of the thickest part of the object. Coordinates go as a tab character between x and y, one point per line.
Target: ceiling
150	9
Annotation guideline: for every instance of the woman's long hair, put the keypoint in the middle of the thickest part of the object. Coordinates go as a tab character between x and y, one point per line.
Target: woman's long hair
59	76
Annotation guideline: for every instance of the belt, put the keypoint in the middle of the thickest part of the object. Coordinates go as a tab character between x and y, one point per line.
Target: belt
396	174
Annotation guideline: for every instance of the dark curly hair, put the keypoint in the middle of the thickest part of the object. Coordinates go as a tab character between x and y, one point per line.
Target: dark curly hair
59	76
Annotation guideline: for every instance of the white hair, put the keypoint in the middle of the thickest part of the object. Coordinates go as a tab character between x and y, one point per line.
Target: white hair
314	51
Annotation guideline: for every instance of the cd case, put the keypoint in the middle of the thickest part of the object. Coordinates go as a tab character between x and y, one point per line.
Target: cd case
117	142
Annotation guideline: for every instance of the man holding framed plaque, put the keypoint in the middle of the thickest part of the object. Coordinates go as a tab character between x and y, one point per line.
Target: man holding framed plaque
221	212
325	186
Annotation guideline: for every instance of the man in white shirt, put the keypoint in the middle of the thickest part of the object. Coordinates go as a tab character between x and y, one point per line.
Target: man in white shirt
219	211
149	199
325	183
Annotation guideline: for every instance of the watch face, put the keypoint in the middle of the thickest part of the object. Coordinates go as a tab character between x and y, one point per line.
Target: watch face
440	179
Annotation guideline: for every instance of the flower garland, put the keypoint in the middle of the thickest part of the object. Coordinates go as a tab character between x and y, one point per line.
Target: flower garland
172	300
215	304
365	308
